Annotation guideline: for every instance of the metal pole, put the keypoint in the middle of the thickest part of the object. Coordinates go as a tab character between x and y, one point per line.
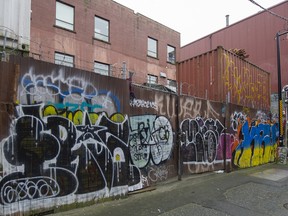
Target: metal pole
225	144
285	127
178	136
178	129
280	105
285	90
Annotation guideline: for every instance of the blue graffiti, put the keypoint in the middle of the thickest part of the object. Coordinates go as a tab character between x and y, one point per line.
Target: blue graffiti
32	86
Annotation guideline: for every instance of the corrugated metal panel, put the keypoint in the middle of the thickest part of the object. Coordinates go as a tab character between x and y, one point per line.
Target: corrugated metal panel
219	75
8	75
256	34
15	22
73	78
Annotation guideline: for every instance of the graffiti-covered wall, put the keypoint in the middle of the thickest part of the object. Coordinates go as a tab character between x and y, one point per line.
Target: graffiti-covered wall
152	134
70	136
216	136
68	140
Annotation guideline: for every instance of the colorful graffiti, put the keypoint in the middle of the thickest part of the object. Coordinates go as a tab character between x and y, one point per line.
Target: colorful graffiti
72	93
255	142
248	143
69	142
65	142
52	156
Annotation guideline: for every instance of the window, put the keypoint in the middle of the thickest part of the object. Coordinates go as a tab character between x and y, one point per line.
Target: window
171	54
64	16
152	47
172	84
151	79
101	29
64	59
101	68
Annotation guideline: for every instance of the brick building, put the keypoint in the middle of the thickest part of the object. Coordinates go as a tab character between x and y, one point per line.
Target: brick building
99	36
104	37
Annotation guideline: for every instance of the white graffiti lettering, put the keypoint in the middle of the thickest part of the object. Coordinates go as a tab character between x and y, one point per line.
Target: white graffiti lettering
143	104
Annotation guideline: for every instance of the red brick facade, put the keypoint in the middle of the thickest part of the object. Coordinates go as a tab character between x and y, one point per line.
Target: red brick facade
128	39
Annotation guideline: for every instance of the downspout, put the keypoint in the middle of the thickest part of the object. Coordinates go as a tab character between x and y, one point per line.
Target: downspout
178	131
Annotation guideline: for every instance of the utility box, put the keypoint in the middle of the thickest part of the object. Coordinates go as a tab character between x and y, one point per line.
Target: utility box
282	155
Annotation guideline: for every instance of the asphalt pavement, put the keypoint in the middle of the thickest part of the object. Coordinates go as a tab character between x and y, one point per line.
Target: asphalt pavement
256	191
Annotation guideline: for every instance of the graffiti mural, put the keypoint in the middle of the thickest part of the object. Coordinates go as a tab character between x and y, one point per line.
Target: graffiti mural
245	88
200	140
53	156
192	107
151	139
255	141
72	93
251	143
62	146
70	142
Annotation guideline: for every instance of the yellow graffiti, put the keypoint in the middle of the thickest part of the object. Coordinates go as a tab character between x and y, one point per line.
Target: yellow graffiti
118	157
93	118
50	110
242	86
117	118
281	117
244	158
78	117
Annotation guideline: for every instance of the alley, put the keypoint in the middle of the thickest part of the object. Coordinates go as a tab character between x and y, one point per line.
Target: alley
253	191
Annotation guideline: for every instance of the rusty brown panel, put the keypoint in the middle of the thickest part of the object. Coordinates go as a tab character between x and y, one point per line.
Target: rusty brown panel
143	101
8	80
220	75
154	102
245	84
256	34
149	104
199	76
8	75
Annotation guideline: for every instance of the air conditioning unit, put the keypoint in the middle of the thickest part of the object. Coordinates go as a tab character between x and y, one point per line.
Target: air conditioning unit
163	75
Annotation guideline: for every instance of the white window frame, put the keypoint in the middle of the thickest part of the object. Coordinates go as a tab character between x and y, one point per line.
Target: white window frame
64	59
101	68
101	29
64	16
171	54
173	86
152	47
152	79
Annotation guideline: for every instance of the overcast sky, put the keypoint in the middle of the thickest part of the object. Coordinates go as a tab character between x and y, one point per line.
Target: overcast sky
196	18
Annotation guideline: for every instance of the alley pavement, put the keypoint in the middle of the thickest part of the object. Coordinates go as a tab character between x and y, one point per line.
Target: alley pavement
256	191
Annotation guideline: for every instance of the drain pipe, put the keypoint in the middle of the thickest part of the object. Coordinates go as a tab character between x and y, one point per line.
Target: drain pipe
178	130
